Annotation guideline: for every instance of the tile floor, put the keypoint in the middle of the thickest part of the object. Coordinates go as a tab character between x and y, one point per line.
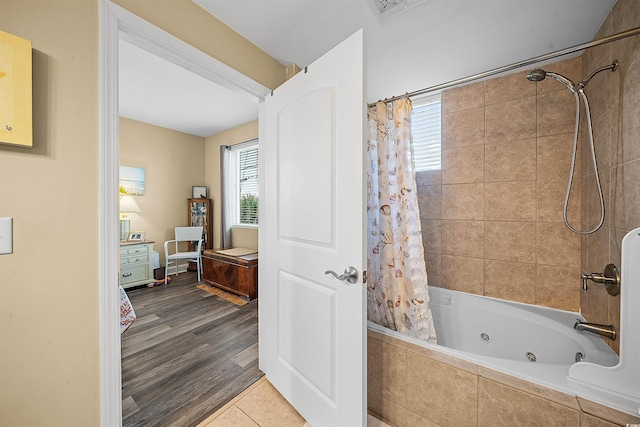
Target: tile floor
260	405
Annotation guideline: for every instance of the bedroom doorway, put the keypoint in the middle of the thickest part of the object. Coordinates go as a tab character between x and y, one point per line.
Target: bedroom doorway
116	22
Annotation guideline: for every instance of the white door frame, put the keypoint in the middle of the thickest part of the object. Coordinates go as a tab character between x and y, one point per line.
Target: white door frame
115	23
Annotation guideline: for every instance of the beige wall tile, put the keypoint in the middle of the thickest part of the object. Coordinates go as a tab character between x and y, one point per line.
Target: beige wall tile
463	98
434	268
530	388
432	235
463	201
550	199
463	127
387	371
463	238
416	420
624	185
500	405
428	178
463	164
508	88
606	413
441	357
556	245
440	393
625	15
592	198
556	113
596	306
554	157
388	339
510	201
597	248
601	141
463	274
387	411
591	421
558	287
514	281
510	161
512	120
510	241
430	201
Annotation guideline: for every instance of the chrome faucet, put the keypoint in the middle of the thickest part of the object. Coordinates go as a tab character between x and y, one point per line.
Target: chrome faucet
608	331
610	278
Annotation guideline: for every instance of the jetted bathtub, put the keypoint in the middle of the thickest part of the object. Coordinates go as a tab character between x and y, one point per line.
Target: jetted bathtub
533	343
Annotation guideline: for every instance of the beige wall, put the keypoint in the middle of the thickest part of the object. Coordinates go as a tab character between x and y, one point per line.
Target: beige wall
49	331
173	163
240	237
187	21
492	217
49	296
615	109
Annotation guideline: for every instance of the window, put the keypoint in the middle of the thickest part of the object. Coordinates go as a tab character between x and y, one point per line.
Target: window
425	128
243	184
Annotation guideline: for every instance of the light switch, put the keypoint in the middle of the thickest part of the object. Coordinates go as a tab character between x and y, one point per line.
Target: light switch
6	235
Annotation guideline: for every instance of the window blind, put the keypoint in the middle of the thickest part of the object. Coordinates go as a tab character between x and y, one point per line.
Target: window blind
244	182
425	128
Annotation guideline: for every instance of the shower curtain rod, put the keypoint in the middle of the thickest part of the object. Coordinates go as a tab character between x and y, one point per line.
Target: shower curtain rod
515	65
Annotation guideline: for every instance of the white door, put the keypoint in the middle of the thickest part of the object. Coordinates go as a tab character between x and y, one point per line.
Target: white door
312	325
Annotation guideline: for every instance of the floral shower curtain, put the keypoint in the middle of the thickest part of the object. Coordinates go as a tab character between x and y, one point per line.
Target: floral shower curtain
397	296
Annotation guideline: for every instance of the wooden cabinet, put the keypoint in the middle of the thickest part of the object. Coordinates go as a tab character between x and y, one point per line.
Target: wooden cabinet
200	213
136	266
237	274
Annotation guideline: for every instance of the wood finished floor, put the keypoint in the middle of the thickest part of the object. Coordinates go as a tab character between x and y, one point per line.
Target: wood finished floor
187	354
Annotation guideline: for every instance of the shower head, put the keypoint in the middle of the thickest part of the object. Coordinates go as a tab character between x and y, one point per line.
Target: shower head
539	74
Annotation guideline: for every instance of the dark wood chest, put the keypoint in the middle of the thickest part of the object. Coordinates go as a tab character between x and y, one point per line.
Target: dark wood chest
237	274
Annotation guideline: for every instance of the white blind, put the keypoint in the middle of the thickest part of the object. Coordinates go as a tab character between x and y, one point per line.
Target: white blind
243	181
425	128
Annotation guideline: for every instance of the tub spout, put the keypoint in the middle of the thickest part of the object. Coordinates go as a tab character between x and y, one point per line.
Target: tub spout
607	331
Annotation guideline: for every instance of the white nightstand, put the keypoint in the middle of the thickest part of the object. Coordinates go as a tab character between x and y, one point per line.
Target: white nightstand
136	266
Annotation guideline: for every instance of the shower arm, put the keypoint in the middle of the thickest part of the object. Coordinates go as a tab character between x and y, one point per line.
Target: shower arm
583	83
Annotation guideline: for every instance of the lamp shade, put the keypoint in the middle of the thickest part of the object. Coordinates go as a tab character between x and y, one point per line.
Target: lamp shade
128	204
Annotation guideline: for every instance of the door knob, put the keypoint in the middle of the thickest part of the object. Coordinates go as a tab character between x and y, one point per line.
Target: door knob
350	274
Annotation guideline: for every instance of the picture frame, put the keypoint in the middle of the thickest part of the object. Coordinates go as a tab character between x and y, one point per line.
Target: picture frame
199	192
136	236
131	181
16	76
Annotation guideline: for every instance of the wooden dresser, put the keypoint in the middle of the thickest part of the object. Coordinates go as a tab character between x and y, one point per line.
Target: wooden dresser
237	274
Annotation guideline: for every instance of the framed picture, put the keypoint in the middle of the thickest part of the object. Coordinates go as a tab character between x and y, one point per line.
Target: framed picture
199	192
15	91
136	236
131	181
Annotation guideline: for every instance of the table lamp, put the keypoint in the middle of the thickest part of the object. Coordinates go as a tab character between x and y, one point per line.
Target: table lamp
127	204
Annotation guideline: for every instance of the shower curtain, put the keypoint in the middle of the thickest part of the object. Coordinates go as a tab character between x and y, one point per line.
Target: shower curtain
397	296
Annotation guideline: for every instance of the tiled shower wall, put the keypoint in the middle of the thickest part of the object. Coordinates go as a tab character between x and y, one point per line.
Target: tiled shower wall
615	109
492	217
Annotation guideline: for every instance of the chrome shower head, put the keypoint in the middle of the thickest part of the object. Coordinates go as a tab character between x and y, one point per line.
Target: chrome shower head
537	75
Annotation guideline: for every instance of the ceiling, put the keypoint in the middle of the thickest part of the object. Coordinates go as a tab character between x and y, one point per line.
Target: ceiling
406	49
